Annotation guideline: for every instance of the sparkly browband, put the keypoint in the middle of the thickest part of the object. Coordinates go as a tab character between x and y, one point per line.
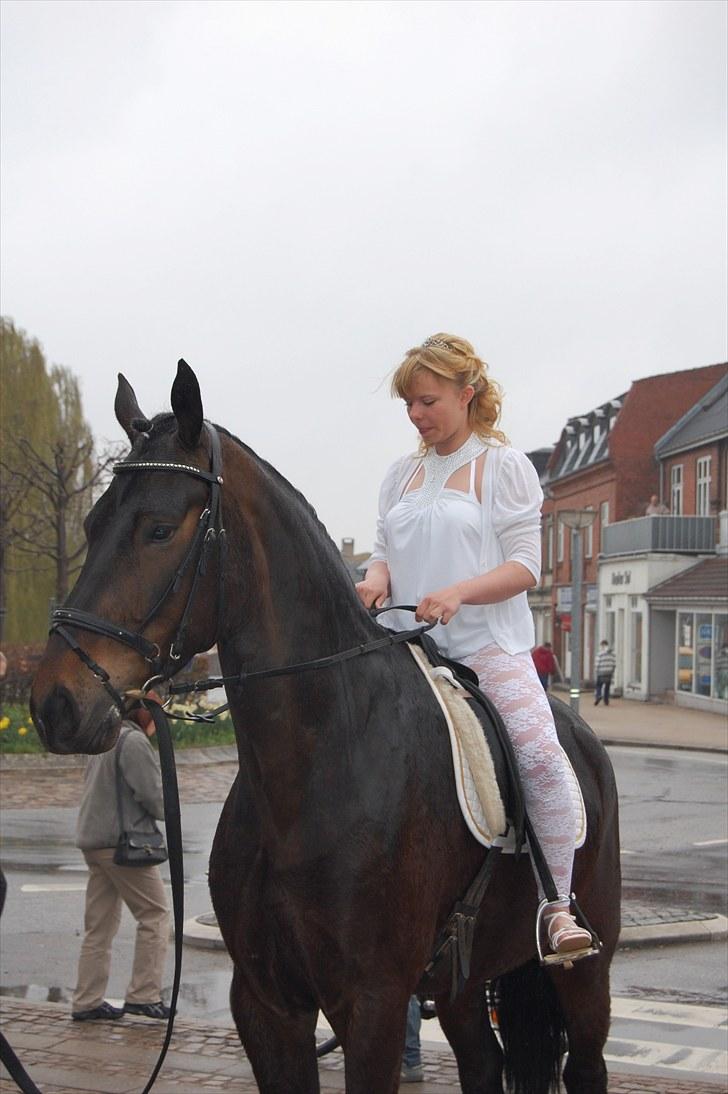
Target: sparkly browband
439	342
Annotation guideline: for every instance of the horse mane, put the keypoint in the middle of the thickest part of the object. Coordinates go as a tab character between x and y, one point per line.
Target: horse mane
164	424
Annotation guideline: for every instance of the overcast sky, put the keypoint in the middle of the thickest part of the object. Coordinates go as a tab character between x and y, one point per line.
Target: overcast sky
290	195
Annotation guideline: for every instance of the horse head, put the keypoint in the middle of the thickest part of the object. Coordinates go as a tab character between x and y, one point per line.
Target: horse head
149	539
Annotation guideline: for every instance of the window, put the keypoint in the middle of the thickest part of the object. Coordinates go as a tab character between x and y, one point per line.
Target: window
549	544
635	658
589	538
560	542
720	656
702	487
685	651
676	490
702	654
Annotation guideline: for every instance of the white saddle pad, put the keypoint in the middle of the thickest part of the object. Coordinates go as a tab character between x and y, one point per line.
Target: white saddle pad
475	779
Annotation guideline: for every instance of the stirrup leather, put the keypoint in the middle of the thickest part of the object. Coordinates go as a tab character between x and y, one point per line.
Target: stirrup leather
568	957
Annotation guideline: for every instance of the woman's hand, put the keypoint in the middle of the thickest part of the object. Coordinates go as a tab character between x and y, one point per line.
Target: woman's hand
439	607
374	589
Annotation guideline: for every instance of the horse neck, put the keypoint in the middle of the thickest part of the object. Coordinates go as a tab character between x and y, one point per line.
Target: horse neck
288	599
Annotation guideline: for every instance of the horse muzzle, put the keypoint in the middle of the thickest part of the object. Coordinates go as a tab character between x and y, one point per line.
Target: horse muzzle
64	728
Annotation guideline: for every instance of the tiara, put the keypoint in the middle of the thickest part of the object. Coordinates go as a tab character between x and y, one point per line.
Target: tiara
439	342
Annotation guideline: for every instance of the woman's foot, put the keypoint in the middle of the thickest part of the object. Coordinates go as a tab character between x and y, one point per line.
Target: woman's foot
565	935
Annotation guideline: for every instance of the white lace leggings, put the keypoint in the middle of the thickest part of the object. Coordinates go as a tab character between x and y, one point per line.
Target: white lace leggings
510	681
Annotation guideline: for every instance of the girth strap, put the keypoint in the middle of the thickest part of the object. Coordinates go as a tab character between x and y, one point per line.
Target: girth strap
455	940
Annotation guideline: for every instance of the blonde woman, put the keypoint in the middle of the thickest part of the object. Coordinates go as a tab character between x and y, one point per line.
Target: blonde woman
459	536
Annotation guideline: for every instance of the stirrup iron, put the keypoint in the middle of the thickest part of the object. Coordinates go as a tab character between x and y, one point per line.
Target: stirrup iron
567	959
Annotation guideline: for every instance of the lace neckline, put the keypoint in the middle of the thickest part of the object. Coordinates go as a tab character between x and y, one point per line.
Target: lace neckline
438	469
468	450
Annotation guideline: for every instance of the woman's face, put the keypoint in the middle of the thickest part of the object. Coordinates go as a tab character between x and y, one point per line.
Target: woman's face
438	409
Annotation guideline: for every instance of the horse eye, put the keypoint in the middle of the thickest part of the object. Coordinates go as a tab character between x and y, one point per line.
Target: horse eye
162	532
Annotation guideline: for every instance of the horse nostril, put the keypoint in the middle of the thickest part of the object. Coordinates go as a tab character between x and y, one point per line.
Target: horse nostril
59	719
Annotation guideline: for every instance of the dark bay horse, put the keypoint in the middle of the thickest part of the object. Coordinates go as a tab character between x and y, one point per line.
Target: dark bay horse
341	849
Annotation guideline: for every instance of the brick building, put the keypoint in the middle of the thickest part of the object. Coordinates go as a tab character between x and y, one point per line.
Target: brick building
605	460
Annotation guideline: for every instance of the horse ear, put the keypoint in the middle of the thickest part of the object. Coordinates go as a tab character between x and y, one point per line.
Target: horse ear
128	415
187	405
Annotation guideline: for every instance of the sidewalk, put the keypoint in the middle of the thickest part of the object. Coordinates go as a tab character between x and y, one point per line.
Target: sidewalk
64	1057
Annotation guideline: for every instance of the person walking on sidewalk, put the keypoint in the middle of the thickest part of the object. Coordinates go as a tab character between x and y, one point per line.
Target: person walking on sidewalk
139	887
546	664
605	666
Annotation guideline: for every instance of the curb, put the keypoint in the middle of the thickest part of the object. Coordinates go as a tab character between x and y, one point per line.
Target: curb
219	754
202	932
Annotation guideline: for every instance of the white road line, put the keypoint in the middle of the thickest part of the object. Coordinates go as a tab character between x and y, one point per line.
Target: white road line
662	1054
684	1014
709	842
53	888
624	851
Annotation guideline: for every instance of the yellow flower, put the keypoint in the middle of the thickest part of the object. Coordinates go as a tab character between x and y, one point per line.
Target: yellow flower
4	722
22	731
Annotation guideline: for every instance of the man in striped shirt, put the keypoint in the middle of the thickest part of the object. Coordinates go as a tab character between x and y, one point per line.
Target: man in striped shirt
605	665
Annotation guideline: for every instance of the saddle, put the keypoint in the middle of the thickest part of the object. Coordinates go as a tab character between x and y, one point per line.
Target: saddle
505	770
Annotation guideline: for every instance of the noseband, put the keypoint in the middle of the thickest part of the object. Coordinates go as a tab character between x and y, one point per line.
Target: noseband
208	534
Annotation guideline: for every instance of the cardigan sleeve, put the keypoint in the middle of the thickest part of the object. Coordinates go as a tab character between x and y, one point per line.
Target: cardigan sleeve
388	496
517	501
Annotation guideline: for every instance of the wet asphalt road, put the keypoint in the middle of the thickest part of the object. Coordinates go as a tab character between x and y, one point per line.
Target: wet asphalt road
672	810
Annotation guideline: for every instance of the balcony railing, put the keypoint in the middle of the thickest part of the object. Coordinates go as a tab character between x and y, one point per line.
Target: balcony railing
683	535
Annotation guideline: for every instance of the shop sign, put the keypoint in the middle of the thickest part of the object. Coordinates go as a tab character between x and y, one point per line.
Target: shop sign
563	598
621	577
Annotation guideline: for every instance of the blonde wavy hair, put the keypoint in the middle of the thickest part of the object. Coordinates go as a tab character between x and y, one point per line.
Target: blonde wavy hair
454	359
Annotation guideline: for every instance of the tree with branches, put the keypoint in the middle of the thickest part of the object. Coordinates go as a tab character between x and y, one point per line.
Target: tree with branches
50	475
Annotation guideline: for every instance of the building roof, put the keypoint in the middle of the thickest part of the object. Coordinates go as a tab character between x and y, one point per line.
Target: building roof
706	421
584	439
707	580
540	457
627	427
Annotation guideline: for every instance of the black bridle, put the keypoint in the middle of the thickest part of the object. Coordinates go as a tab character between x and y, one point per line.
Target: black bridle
209	533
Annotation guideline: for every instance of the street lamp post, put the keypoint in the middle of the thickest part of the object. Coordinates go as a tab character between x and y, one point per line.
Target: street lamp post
576	520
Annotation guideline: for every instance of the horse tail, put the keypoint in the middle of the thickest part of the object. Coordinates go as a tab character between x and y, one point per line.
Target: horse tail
532	1030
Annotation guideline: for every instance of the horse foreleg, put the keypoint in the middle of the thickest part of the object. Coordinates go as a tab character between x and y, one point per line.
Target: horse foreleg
583	993
371	1029
478	1054
281	1048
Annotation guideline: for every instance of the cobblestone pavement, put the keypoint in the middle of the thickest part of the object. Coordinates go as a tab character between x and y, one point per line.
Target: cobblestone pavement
117	1058
23	787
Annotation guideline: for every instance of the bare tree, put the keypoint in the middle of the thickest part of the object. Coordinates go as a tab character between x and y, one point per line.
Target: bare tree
65	479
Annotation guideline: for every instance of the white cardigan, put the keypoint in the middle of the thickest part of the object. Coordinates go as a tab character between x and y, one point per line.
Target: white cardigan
511	500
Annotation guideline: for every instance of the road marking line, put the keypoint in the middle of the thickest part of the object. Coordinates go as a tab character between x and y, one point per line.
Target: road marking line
657	1054
53	888
709	842
624	851
687	1014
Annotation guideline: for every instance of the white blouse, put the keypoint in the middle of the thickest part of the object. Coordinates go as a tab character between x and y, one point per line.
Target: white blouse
429	544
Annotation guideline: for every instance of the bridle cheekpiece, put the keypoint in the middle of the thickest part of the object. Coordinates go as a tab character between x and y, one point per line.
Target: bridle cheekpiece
209	532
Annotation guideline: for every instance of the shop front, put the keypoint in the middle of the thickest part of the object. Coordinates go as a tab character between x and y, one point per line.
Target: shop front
643	652
690	613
